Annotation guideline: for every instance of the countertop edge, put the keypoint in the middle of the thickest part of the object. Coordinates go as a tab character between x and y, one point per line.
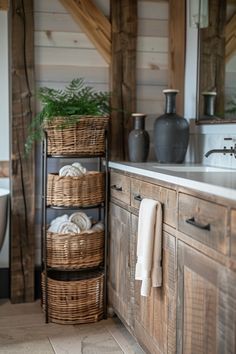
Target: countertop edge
200	186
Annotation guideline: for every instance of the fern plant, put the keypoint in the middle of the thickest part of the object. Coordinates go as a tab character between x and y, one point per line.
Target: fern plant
75	100
231	106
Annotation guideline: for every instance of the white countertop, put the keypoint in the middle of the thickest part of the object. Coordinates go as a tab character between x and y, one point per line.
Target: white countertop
222	184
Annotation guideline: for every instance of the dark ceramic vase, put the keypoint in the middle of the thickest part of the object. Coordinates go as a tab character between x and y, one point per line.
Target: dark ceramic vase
138	139
209	104
171	133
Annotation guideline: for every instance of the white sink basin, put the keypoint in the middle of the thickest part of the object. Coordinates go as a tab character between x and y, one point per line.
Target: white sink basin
192	168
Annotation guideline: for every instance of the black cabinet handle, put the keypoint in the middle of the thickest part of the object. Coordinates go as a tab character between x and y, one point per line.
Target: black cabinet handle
138	198
193	222
119	189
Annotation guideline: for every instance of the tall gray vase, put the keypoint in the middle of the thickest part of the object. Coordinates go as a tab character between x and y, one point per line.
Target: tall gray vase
138	141
171	133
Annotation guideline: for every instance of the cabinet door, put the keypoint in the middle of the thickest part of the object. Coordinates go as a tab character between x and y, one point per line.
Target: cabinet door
119	262
206	316
155	316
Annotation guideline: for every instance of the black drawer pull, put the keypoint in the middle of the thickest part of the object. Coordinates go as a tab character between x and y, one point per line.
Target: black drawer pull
138	198
192	221
119	189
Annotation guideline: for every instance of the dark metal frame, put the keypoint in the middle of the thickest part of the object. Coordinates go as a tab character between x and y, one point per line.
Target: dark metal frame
103	206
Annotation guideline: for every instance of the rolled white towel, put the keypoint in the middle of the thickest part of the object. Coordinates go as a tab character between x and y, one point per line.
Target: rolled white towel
55	223
81	220
98	226
68	227
55	227
61	218
70	171
81	168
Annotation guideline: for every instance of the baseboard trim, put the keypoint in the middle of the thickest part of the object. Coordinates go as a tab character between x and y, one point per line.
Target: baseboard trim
5	283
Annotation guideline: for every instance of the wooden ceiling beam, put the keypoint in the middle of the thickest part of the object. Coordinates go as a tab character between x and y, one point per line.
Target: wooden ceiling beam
4	5
230	38
94	23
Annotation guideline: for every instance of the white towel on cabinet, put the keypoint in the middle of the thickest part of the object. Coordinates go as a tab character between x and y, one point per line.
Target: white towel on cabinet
149	246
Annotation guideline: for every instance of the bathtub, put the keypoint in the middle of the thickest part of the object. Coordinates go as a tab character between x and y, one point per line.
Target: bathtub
3	213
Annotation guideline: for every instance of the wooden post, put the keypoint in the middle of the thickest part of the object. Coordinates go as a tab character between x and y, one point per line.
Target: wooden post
123	74
22	168
230	38
212	54
177	28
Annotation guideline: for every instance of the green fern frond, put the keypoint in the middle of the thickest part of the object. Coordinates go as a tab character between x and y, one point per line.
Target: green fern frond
76	99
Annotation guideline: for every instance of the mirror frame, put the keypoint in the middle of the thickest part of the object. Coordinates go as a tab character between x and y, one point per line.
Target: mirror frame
199	118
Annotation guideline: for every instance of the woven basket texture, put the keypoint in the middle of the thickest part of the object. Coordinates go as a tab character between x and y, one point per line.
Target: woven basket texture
86	137
74	302
75	191
70	251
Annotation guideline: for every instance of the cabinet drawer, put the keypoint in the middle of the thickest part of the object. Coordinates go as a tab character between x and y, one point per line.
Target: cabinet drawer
233	233
204	221
167	197
120	187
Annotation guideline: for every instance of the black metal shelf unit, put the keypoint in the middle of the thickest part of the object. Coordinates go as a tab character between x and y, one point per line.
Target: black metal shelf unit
103	166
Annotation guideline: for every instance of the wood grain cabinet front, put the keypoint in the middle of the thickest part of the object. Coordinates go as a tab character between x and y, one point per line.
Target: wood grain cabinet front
119	282
120	187
206	315
155	316
204	221
195	309
166	196
233	233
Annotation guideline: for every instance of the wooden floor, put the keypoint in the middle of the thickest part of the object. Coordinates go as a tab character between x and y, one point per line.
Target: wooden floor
23	331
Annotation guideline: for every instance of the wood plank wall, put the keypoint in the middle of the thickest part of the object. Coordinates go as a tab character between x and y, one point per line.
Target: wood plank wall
63	52
152	61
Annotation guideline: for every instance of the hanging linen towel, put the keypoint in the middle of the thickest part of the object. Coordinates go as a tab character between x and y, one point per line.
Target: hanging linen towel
149	246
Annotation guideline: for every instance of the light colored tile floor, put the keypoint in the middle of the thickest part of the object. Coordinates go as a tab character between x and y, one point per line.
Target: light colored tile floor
23	331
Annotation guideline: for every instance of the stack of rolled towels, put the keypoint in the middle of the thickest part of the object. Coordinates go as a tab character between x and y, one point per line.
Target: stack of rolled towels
74	170
78	222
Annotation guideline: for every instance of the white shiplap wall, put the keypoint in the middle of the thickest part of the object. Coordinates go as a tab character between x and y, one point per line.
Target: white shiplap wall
63	52
152	60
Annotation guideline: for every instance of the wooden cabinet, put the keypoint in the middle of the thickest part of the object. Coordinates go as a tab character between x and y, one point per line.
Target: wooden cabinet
119	262
206	320
120	187
204	221
233	233
195	309
151	319
154	316
141	189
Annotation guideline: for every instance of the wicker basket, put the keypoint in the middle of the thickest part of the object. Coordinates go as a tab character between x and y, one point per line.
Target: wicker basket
74	301
70	251
75	191
86	137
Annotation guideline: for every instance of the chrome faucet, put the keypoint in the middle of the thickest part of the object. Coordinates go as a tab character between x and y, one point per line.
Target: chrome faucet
231	151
